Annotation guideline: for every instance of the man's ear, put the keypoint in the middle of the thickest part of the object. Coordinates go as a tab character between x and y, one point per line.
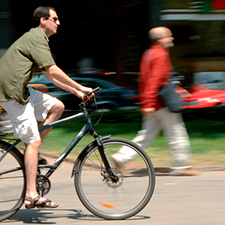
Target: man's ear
159	40
42	21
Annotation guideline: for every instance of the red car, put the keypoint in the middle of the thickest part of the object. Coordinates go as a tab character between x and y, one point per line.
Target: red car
202	97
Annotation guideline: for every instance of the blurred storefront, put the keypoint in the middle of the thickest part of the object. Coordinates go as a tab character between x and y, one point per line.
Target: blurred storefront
199	31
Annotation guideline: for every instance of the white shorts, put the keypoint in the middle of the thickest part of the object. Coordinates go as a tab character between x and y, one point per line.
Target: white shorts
25	118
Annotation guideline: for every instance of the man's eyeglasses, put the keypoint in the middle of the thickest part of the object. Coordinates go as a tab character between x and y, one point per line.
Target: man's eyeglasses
54	19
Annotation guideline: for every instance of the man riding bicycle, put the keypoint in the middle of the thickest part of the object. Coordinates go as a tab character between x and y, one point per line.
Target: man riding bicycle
27	107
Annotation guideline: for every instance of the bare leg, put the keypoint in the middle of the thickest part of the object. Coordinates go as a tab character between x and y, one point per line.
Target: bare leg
31	162
32	149
53	115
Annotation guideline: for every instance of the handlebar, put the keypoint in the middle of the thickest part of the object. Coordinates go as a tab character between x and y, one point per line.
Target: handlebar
94	91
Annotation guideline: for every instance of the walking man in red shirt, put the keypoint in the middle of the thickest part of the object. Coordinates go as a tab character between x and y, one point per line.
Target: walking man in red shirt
155	68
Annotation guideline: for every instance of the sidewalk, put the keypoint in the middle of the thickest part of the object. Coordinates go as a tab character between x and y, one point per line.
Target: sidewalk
157	169
186	200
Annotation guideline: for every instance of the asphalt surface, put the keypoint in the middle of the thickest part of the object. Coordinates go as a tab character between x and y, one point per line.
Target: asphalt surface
197	200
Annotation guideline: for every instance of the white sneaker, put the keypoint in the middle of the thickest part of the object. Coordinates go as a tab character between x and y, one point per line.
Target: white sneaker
184	171
118	161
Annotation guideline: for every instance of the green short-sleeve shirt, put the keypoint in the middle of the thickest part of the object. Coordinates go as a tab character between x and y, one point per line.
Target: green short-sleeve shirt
28	54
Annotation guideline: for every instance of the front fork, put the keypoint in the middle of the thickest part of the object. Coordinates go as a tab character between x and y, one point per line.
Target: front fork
105	161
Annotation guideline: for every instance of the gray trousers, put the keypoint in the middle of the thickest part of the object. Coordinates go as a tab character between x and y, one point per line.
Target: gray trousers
174	130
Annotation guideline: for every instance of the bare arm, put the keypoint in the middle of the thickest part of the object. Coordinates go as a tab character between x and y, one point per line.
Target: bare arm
60	79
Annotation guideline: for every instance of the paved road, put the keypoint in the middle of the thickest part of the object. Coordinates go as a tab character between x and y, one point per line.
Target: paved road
198	200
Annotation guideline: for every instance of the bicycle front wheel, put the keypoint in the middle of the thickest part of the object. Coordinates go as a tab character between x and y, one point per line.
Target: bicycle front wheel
12	181
105	197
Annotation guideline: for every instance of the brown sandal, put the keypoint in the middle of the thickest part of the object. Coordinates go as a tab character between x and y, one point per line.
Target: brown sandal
36	202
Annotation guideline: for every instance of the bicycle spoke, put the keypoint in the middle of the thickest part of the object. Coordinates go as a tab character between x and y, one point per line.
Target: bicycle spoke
119	196
12	183
2	178
10	200
92	164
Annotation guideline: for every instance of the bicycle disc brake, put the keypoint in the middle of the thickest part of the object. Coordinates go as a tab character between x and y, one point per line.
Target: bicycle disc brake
110	181
43	185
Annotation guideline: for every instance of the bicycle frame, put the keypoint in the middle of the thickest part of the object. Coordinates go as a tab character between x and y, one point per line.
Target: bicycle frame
88	127
77	116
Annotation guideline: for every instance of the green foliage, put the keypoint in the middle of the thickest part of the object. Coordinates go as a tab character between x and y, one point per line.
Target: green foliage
176	4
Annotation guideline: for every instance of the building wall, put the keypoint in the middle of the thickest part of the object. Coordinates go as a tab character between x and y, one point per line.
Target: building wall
199	31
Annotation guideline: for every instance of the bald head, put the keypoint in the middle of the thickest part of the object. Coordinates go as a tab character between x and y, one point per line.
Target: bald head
162	36
156	33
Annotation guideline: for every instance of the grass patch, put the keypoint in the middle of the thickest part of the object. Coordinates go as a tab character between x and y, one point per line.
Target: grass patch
207	137
117	125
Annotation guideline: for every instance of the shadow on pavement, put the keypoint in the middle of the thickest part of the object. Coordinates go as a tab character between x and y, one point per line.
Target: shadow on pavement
46	216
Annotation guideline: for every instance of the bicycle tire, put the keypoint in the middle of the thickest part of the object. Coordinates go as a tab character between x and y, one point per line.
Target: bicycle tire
12	181
107	199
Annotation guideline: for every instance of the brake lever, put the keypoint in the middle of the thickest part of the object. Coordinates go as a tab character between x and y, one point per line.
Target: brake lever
85	99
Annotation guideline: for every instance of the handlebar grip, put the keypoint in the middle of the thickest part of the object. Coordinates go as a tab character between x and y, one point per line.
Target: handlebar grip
93	91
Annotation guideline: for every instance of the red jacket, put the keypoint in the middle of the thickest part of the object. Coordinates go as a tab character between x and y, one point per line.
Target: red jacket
155	68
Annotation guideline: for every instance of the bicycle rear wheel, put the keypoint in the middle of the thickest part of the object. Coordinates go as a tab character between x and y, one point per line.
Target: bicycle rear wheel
109	199
12	181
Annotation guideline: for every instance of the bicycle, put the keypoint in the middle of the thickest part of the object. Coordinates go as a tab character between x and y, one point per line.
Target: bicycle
105	190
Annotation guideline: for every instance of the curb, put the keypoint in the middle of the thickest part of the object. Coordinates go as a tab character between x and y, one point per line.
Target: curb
157	169
199	168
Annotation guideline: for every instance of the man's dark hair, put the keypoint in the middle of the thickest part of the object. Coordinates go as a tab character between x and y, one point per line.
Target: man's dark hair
42	11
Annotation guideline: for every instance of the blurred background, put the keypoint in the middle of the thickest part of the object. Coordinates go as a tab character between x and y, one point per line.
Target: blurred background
104	36
100	43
